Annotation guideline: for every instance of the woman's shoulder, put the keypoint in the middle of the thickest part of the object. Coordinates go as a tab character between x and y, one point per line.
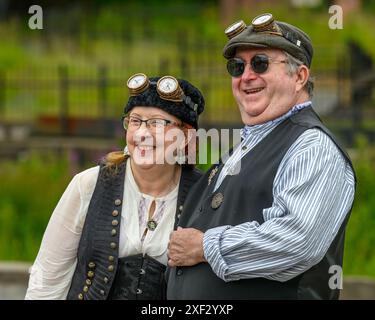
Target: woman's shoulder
86	180
192	172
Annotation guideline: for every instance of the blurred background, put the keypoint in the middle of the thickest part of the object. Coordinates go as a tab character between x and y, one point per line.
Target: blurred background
63	88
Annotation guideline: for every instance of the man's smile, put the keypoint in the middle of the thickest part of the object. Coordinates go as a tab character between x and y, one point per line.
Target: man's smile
253	90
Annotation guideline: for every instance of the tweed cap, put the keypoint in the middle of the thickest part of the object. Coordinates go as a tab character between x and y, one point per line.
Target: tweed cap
182	110
284	36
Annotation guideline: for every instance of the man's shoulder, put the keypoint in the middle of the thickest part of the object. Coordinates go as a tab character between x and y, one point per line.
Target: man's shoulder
314	139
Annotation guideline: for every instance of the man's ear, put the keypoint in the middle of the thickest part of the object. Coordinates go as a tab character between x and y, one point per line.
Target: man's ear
303	74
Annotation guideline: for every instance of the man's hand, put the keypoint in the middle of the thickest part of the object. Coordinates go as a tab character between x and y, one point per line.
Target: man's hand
185	247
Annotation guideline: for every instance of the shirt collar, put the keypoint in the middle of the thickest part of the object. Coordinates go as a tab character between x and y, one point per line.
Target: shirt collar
133	185
254	129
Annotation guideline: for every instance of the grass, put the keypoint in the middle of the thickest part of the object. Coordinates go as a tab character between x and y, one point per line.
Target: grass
30	188
359	258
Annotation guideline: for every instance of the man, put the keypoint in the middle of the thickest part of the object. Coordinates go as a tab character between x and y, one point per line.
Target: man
276	229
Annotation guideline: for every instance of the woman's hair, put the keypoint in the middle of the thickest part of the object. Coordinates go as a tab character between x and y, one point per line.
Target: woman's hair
293	64
115	158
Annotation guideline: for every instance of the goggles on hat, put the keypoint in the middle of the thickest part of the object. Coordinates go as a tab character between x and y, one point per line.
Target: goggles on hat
167	88
263	23
259	63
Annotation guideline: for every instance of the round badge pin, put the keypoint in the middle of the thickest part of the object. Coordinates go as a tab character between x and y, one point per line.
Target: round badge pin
217	200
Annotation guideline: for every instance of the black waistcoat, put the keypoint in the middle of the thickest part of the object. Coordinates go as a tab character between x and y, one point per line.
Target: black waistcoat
98	270
244	197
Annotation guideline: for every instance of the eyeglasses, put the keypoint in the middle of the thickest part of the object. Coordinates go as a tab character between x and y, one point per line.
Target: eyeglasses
154	124
259	64
167	88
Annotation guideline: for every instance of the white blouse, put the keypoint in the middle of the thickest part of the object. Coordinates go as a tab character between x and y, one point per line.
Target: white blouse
53	269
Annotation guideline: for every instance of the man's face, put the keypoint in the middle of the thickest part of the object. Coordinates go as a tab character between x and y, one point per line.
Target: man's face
265	96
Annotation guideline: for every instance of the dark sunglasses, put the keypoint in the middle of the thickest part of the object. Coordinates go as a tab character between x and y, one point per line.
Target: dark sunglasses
259	63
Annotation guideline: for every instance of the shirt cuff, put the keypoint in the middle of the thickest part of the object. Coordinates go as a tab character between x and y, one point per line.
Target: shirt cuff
211	249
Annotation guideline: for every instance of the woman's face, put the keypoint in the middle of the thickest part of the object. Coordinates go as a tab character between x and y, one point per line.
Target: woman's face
155	142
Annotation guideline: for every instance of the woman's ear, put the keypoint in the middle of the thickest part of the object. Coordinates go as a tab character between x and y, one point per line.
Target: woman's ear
302	77
189	135
191	145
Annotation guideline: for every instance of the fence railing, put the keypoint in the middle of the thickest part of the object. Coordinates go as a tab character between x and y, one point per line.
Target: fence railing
52	97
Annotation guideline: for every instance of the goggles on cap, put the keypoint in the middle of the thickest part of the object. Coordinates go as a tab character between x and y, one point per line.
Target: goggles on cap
263	23
259	64
167	88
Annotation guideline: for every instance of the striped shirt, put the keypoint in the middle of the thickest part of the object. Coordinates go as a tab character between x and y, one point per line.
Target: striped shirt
313	190
250	136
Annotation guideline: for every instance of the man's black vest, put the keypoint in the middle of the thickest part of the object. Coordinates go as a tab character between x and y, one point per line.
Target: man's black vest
243	198
100	274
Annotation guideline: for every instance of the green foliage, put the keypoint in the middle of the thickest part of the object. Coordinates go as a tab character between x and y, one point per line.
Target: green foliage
359	256
130	37
29	191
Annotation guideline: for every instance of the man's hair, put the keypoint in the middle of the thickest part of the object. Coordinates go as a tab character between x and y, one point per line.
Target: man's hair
293	64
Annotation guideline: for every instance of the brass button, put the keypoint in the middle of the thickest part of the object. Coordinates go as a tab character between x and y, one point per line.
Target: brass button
85	289
217	200
90	274
91	265
102	292
142	271
181	207
111	258
114	213
139	291
106	280
113	245
80	296
113	232
117	202
111	268
114	223
88	282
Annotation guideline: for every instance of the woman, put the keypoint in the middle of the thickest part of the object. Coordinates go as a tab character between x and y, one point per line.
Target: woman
108	235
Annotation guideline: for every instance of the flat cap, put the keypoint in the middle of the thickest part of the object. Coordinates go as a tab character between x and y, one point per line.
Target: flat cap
264	32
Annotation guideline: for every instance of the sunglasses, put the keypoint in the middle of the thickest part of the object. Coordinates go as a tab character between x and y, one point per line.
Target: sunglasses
259	64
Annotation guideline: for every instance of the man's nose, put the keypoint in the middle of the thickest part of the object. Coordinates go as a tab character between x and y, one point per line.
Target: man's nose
248	73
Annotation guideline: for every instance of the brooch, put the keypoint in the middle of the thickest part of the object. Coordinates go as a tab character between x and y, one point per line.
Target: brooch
212	174
151	225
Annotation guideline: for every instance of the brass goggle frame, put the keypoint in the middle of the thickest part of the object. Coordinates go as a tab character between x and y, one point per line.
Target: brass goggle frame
139	86
266	26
